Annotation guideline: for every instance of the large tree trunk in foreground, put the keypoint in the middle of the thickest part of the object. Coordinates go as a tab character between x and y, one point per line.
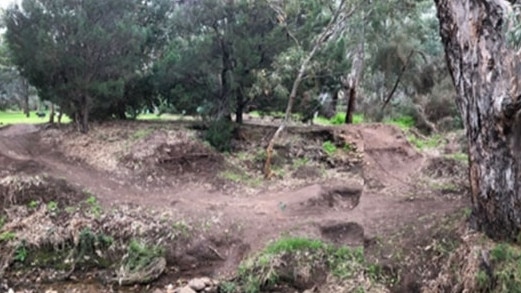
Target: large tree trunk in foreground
482	68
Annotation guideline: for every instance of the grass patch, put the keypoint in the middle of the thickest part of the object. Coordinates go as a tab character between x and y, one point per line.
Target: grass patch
506	276
428	143
7	236
329	147
461	157
12	117
291	260
404	122
140	255
240	177
339	119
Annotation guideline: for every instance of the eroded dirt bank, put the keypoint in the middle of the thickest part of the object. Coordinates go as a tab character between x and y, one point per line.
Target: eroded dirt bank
150	203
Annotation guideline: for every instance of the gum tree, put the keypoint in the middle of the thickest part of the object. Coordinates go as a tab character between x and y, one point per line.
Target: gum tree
484	68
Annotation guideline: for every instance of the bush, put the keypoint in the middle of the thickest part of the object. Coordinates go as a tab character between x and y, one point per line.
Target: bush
220	134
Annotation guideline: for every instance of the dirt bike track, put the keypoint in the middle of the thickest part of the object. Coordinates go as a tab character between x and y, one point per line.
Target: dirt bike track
351	211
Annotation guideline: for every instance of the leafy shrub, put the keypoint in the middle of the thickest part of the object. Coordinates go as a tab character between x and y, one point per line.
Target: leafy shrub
220	134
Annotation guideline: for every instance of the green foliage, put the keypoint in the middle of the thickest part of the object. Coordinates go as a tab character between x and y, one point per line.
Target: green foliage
93	206
228	287
329	147
140	255
7	236
105	78
33	204
403	122
52	206
506	276
220	134
20	253
431	141
264	270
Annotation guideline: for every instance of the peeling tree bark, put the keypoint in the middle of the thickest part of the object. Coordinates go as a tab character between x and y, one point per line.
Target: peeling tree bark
483	70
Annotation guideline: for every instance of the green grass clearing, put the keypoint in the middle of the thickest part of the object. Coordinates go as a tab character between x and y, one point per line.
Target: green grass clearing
12	117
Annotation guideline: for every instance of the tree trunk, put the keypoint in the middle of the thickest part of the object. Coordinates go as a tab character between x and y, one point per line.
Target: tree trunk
327	33
351	82
350	105
84	115
239	107
25	92
482	69
51	114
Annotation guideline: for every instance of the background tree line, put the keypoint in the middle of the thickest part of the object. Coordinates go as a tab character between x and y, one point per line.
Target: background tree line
99	60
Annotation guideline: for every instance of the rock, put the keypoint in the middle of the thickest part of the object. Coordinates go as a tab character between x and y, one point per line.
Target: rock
197	284
207	281
170	288
157	291
210	290
186	289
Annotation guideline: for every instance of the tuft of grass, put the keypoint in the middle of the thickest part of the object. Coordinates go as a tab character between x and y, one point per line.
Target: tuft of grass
33	204
7	236
239	176
295	254
52	206
329	147
429	143
506	276
140	255
462	157
94	206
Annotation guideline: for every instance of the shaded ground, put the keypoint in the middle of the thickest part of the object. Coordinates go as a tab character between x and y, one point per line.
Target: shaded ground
373	184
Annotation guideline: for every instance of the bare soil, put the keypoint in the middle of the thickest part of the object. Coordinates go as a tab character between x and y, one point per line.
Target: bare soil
374	186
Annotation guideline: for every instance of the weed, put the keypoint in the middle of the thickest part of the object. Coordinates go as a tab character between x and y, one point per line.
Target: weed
347	147
329	147
140	255
94	206
482	279
7	236
52	206
2	222
300	162
181	228
20	253
33	204
228	287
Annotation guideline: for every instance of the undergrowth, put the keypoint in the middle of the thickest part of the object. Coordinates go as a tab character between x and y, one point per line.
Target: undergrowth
292	260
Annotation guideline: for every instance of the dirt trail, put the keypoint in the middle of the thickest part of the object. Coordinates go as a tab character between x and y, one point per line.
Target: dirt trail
380	203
